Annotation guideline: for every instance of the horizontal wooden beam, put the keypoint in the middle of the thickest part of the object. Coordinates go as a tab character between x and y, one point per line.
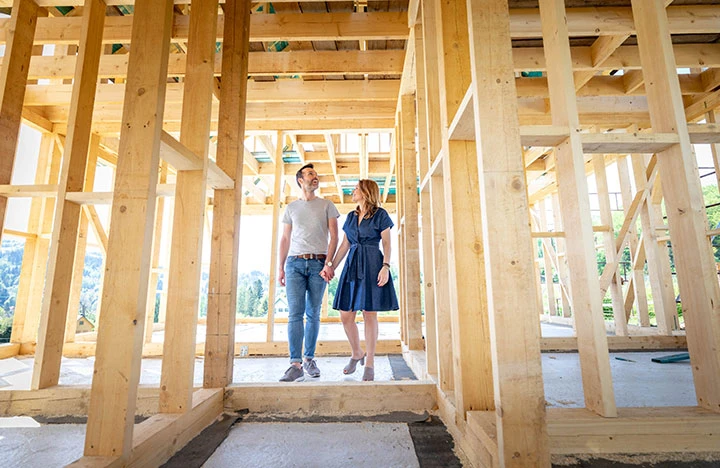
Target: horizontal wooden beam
258	92
634	430
325	398
390	62
618	343
334	125
264	111
299	62
524	23
263	28
332	398
272	348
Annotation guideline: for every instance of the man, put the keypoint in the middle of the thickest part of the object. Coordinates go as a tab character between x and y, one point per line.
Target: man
305	268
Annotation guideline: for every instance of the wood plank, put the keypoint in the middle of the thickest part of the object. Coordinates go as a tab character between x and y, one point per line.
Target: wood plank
635	430
73	309
225	242
120	331
264	28
611	254
176	380
407	184
64	242
275	242
13	77
31	191
472	372
332	398
575	204
507	252
619	343
695	265
524	23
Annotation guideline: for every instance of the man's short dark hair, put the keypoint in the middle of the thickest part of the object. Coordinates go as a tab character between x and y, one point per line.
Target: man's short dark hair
299	174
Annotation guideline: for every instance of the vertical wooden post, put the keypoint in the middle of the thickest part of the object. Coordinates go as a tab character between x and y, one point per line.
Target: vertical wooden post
468	301
113	397
411	250
73	308
31	249
685	207
561	256
39	268
440	278
517	370
472	371
547	262
222	290
428	261
155	259
400	197
611	255
575	204
275	242
178	369
13	78
637	252
53	316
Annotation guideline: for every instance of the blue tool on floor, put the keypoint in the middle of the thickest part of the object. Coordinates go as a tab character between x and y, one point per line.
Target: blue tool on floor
672	358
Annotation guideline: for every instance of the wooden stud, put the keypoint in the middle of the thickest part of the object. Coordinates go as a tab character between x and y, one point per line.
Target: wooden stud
428	261
111	414
13	77
611	255
53	316
176	380
547	260
694	262
222	289
155	259
517	371
32	245
473	372
275	242
411	258
73	308
575	205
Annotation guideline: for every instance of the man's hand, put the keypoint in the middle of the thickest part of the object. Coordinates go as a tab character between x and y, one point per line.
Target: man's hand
327	273
281	276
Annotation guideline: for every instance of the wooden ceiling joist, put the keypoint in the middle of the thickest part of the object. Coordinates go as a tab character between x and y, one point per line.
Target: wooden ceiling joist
524	23
264	28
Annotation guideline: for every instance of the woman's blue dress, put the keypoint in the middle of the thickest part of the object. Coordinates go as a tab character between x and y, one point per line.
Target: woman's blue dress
357	288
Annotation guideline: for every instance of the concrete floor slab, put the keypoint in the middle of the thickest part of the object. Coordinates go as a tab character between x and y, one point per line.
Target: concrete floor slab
279	445
637	380
48	446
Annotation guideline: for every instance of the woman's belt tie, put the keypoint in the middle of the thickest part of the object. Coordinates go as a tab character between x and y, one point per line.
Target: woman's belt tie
356	260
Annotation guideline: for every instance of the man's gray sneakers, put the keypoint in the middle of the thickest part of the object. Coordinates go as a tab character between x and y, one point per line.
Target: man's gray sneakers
292	374
311	368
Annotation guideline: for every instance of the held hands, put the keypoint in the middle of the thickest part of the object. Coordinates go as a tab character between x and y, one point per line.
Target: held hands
281	277
327	273
383	276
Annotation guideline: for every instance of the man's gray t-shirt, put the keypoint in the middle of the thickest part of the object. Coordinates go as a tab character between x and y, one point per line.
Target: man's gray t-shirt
309	221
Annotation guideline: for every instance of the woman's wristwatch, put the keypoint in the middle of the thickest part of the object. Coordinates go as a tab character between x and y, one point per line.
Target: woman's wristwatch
329	263
386	265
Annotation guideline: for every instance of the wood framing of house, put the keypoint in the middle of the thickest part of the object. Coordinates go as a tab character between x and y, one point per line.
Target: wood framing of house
495	113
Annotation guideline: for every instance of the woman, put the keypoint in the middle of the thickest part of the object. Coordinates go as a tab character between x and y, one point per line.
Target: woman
365	283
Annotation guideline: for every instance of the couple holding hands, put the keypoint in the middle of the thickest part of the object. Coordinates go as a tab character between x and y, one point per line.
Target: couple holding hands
309	254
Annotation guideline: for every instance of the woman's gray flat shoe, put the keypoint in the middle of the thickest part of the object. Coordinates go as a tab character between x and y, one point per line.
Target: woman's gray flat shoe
352	365
369	374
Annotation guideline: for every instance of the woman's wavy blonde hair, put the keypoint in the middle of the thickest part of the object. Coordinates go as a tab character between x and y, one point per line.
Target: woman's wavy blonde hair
371	197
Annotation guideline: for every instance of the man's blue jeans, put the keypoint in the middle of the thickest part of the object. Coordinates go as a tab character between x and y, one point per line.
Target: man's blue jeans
305	288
